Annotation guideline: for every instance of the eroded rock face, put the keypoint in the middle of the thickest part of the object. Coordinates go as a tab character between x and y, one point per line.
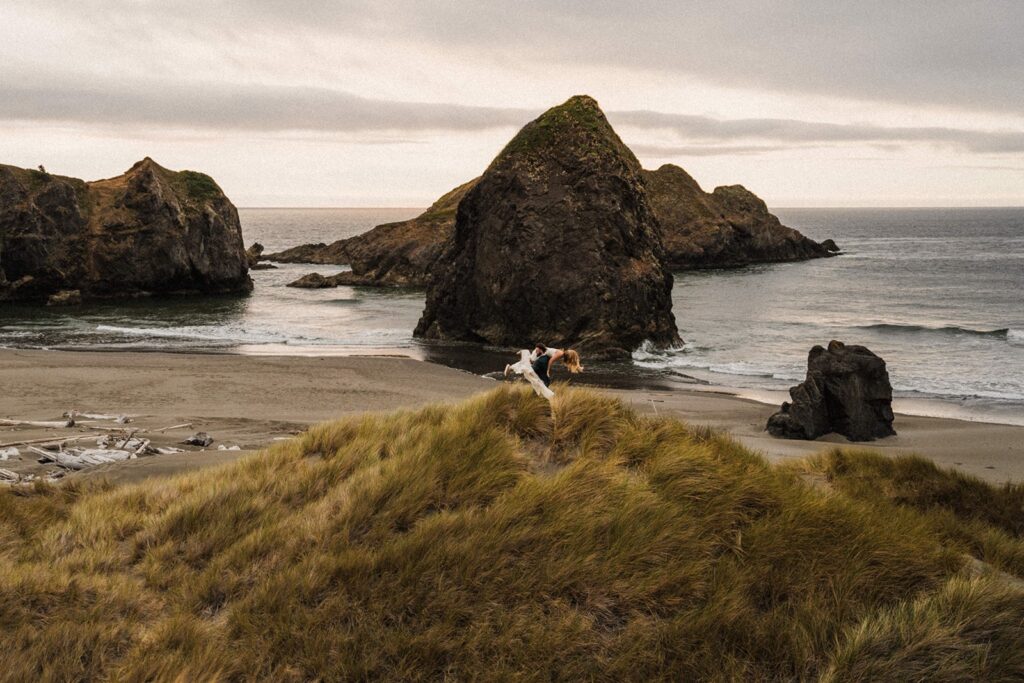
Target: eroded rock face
556	241
726	228
847	391
148	231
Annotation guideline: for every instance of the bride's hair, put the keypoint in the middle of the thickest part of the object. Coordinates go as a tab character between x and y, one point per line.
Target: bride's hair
572	361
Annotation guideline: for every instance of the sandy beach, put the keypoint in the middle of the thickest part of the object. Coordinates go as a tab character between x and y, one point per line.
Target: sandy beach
250	401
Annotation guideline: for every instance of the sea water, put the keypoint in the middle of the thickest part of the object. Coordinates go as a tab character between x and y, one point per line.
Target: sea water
936	292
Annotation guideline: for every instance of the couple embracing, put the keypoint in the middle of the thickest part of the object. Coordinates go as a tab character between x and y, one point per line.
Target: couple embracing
536	366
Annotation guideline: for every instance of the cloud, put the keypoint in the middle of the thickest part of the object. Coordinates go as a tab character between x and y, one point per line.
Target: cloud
242	107
705	150
268	109
796	132
947	53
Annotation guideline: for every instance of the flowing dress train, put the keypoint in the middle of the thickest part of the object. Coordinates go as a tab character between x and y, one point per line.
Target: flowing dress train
524	367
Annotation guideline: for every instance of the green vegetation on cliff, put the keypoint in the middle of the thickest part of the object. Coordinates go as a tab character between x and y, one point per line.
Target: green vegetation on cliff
495	539
198	187
577	122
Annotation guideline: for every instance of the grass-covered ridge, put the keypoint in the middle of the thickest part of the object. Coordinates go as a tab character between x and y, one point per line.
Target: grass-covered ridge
494	539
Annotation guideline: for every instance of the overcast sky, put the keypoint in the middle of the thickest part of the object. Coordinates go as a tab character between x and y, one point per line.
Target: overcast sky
380	103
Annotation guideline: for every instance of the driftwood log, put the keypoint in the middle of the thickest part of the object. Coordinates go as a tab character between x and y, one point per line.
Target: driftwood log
167	429
83	458
49	441
60	424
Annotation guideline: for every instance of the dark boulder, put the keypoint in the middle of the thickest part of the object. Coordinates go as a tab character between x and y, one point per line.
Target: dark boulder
556	241
149	231
831	246
726	228
847	391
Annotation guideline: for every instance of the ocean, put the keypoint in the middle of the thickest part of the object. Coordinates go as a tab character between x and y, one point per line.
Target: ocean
936	292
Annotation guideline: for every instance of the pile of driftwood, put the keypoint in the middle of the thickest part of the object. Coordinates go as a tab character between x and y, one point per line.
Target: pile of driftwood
108	449
111	444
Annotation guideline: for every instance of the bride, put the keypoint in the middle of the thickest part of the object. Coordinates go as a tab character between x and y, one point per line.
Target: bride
536	366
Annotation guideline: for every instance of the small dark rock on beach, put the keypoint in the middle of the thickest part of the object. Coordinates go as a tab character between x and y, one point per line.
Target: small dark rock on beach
847	391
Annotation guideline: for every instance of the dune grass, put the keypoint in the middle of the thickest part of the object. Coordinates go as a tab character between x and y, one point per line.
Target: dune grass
984	521
496	539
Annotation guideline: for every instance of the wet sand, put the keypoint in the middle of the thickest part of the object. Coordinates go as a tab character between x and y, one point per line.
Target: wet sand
250	401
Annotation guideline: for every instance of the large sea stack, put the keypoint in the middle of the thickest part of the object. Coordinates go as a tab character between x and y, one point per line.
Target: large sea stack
726	228
149	231
847	391
556	243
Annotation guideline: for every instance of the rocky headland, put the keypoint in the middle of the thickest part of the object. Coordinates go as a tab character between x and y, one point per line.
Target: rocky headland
399	254
148	231
726	228
555	242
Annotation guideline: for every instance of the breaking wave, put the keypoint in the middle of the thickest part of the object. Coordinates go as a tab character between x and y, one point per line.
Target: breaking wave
999	333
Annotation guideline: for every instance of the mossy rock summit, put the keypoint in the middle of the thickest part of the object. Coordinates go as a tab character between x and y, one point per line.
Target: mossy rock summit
557	243
148	231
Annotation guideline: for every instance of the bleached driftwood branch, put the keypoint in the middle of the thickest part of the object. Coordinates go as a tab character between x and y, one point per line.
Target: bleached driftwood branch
167	429
49	441
62	424
87	457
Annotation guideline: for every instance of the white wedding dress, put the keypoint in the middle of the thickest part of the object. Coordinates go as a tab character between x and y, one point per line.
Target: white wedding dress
524	367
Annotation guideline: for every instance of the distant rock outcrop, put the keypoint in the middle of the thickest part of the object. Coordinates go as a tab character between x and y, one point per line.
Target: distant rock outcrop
312	281
725	228
254	255
556	242
149	231
399	254
847	391
319	253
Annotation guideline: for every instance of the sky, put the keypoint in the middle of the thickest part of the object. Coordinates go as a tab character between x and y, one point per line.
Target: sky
383	103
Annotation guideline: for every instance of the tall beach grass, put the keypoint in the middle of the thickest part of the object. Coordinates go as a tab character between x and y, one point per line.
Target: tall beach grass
504	538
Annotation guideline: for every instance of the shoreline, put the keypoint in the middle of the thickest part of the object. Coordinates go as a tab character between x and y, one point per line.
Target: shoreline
251	401
927	406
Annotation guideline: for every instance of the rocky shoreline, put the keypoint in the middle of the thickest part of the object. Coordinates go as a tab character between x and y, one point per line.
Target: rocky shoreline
148	231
